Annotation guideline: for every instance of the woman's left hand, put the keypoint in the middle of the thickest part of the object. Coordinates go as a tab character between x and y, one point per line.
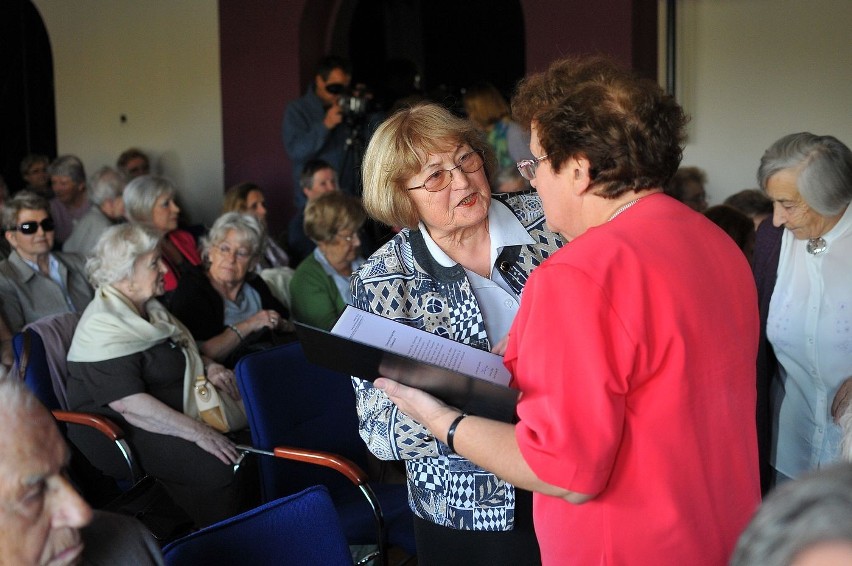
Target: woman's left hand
224	380
416	403
841	399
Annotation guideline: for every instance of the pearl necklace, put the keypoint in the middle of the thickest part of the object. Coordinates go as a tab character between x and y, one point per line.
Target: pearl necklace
816	246
624	207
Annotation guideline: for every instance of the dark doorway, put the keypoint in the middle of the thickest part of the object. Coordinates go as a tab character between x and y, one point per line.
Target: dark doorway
452	44
27	108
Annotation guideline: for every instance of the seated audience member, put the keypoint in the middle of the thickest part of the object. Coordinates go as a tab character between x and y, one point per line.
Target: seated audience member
318	178
687	186
274	263
247	198
806	522
105	193
35	282
319	290
42	518
487	108
150	200
227	307
133	163
130	360
736	225
509	180
71	203
34	172
753	203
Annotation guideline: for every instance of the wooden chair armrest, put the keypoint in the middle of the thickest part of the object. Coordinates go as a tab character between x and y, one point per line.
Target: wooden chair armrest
330	460
101	423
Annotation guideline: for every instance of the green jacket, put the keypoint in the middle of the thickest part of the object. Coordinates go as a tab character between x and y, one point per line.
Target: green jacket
314	298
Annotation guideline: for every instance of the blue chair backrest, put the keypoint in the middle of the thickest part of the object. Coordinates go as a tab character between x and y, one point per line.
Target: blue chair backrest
298	529
37	373
290	401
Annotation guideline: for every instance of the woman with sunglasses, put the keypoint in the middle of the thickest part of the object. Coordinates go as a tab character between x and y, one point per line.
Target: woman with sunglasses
35	282
456	269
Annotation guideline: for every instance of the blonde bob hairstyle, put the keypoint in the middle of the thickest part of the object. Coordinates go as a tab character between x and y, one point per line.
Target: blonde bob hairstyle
331	213
399	149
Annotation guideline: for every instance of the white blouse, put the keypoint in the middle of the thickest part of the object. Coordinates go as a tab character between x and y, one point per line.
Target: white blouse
497	301
810	328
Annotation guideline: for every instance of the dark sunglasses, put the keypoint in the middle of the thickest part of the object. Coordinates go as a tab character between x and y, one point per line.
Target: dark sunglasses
30	228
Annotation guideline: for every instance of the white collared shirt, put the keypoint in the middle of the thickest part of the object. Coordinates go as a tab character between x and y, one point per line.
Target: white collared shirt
497	301
810	328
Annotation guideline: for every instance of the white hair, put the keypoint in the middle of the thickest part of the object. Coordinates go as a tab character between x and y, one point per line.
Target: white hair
105	184
117	250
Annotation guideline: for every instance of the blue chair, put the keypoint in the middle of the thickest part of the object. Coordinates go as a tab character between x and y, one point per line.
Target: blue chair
301	412
301	529
33	366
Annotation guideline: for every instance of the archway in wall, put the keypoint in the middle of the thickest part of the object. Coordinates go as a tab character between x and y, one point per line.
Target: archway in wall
453	44
27	106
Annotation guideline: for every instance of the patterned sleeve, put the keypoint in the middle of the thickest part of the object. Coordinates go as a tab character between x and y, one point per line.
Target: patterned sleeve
388	433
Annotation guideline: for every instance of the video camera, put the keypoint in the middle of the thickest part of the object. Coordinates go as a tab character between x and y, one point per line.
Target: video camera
354	102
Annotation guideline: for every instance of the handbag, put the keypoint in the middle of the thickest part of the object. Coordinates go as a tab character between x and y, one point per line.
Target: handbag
219	411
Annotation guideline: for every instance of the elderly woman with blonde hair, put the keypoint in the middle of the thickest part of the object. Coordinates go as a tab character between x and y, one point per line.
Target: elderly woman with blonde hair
320	286
457	270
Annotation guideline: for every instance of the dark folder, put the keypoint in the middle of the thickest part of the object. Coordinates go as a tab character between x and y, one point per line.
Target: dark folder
472	395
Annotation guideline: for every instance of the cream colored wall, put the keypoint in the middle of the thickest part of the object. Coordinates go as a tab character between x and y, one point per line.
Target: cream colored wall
157	63
751	71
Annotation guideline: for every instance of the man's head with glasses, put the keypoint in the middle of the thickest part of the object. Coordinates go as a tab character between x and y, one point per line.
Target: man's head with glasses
423	149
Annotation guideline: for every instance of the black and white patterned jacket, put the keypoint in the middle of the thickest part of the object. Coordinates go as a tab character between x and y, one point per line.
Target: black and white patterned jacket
402	281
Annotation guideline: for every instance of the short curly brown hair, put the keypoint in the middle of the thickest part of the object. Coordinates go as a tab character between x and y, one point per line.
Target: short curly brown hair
629	130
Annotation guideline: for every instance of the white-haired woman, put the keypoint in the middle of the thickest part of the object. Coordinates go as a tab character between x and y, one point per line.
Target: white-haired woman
129	360
150	200
228	308
806	522
105	189
802	262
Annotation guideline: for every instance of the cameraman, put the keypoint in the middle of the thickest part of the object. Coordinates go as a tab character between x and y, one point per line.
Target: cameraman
314	127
